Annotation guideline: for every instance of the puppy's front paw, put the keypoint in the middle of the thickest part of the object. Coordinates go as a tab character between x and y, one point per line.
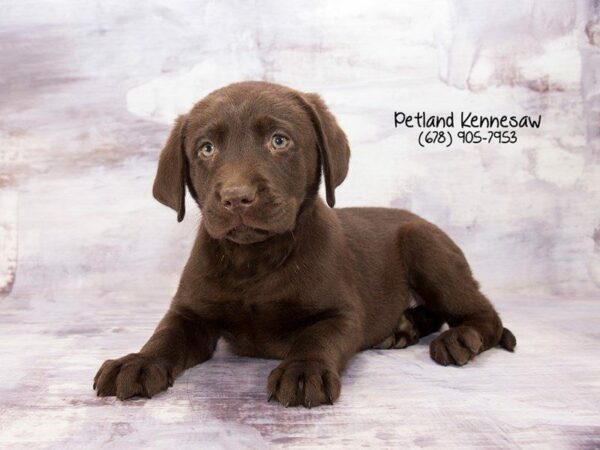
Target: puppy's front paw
304	382
132	375
456	346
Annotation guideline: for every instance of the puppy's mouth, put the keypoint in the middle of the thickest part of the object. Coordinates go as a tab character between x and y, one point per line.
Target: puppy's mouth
244	234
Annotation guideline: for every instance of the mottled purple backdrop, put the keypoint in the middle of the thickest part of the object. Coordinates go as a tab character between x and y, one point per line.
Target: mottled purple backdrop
88	260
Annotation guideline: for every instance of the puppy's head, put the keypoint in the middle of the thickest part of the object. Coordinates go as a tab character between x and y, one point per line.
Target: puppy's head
251	154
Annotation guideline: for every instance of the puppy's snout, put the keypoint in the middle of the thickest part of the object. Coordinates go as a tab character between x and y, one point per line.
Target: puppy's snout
238	198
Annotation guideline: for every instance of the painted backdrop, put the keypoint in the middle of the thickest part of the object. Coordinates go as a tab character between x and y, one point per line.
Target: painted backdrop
89	261
88	99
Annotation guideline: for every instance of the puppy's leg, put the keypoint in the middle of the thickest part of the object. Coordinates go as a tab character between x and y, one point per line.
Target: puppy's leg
310	373
414	324
180	341
440	274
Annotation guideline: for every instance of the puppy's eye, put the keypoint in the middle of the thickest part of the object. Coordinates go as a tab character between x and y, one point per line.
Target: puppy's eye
279	142
207	149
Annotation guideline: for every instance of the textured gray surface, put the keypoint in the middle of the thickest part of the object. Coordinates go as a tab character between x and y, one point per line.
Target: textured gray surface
91	260
545	395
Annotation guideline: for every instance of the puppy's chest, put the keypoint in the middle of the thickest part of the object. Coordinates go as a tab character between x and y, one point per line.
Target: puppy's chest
262	325
263	313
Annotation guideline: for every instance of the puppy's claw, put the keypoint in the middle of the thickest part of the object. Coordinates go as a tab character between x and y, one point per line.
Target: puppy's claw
308	404
329	399
271	396
508	340
287	404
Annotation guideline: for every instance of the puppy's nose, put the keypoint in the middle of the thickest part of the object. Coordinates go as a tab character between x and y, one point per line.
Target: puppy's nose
238	198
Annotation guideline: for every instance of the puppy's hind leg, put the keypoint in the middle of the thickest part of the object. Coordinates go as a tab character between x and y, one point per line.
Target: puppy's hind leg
414	324
440	274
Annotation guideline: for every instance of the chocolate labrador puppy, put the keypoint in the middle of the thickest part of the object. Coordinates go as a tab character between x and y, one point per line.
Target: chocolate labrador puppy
279	274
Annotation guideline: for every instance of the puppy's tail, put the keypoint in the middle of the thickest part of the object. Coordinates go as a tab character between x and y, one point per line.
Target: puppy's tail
508	340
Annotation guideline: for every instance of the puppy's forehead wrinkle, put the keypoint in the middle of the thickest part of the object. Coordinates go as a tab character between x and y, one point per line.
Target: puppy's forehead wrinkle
264	124
215	130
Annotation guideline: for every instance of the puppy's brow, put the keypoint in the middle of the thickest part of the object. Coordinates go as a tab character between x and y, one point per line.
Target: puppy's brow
215	131
264	124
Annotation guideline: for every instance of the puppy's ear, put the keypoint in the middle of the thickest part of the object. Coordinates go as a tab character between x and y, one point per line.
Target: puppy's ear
169	183
333	144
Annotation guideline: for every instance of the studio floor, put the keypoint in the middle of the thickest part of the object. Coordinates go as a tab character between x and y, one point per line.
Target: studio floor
89	261
545	395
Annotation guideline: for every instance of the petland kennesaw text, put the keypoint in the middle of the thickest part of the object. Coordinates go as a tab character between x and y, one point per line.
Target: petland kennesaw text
467	120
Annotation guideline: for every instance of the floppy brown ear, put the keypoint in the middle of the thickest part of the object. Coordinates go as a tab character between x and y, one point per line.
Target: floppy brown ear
333	144
169	183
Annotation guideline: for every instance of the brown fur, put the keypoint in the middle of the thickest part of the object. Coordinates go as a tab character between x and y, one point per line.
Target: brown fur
279	274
